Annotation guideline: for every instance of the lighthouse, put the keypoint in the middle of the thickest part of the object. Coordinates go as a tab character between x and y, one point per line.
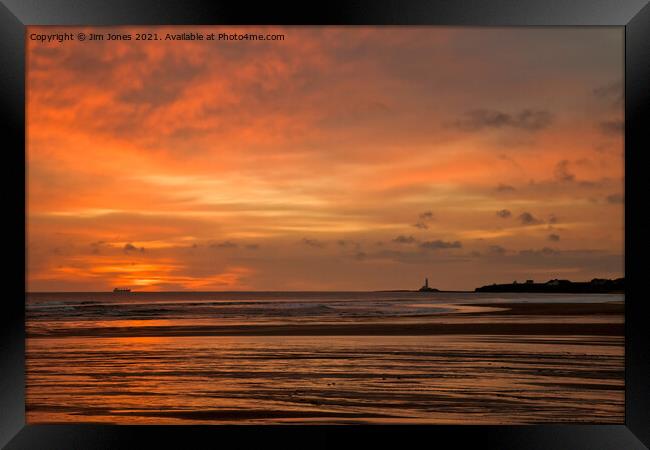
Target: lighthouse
426	287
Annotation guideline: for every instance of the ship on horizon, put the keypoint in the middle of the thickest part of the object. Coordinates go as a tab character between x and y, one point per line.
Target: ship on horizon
121	290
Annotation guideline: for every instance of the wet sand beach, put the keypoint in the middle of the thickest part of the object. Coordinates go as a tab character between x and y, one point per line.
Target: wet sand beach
335	358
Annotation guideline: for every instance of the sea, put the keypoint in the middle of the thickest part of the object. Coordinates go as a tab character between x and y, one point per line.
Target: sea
324	358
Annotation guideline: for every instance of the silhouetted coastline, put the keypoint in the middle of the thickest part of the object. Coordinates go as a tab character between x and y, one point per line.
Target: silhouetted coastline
595	286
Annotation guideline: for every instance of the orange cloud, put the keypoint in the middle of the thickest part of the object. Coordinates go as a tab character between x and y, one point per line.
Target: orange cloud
334	134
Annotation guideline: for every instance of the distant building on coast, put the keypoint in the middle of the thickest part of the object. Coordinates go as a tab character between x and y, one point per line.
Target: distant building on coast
426	287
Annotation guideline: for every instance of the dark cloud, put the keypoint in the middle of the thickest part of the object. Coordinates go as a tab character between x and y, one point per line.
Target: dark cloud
504	213
527	120
554	237
423	219
546	251
612	127
615	198
252	246
404	239
527	218
612	92
438	244
225	244
96	247
128	248
552	219
505	188
347	243
496	250
562	172
313	243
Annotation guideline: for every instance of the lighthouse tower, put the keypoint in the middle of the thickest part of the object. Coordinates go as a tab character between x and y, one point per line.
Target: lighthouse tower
426	287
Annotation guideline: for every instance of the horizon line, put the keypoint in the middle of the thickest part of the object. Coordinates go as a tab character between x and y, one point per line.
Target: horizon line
243	291
334	290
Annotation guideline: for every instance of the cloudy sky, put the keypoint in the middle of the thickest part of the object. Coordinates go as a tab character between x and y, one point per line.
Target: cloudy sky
356	158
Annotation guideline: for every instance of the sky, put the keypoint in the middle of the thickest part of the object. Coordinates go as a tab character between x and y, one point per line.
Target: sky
340	158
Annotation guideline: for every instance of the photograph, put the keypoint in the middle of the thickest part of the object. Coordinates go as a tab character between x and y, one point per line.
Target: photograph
325	225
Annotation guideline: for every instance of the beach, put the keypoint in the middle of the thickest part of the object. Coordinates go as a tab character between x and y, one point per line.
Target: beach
361	358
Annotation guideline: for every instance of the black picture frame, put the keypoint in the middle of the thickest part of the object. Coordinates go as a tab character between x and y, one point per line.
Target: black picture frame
633	15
